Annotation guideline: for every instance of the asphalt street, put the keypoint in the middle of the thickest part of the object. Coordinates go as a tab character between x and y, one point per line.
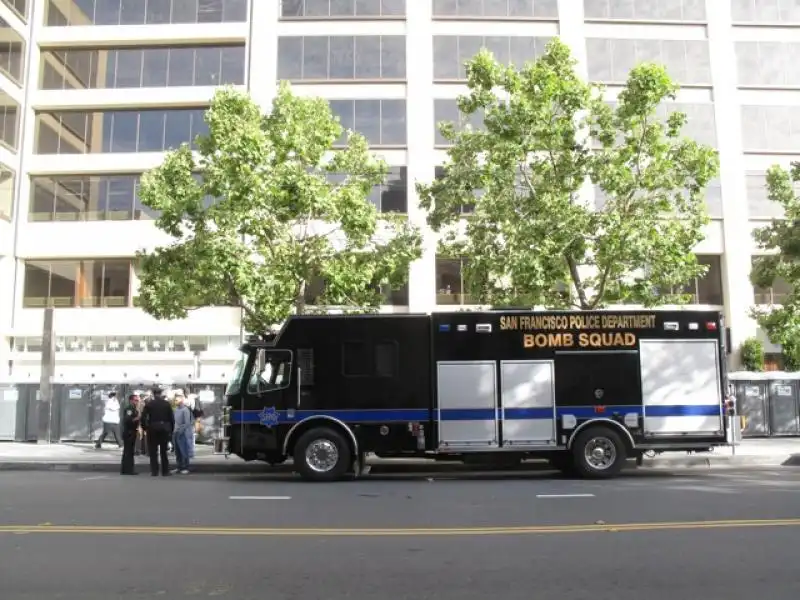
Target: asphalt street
682	534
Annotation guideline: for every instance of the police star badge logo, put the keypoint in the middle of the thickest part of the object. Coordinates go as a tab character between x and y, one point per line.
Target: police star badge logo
268	416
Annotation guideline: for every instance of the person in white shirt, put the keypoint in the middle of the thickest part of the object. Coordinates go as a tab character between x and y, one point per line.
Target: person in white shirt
110	421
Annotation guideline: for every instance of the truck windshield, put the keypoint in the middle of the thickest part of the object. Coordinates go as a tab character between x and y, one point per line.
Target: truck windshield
235	381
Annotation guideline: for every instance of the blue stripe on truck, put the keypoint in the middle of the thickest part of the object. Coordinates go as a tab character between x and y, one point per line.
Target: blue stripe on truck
475	414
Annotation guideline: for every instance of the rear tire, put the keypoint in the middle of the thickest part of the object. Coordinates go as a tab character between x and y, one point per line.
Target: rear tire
599	453
322	454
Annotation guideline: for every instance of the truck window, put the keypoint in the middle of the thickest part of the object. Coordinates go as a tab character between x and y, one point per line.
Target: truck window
271	371
305	362
360	359
386	359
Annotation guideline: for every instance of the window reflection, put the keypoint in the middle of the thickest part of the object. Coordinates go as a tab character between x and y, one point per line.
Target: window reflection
9	121
446	110
77	283
382	122
138	12
451	52
87	198
515	9
7	180
18	6
342	9
73	132
12	52
342	57
77	69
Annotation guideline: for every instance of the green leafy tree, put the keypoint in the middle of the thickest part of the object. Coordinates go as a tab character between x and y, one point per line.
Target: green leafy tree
545	134
752	353
781	238
286	213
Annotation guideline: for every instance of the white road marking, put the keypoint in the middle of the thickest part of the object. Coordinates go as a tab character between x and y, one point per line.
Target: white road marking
93	478
565	495
259	498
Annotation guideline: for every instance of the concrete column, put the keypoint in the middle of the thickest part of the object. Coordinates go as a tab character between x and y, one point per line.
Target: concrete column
737	289
262	51
420	161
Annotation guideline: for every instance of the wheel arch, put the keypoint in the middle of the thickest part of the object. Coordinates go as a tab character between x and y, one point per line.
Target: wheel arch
604	422
308	423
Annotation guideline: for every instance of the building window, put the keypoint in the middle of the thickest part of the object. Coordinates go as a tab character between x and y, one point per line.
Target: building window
451	288
9	121
87	198
610	60
645	10
81	69
446	110
390	196
770	128
77	283
759	11
495	9
18	6
707	289
450	52
342	58
713	199
7	180
137	12
389	297
74	132
342	9
768	63
12	53
758	203
775	294
382	122
465	208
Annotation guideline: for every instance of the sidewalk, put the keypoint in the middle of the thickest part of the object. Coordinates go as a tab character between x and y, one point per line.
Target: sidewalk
84	457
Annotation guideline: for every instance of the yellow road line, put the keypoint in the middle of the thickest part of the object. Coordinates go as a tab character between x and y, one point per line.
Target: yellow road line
381	532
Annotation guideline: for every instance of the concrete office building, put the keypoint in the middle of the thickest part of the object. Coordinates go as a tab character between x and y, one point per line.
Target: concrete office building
94	91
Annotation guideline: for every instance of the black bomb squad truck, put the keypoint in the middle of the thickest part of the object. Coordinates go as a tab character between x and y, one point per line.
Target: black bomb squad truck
584	390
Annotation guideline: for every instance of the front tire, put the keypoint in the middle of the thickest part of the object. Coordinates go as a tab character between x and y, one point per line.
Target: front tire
599	453
322	455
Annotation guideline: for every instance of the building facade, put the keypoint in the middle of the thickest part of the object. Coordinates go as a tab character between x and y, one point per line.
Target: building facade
94	91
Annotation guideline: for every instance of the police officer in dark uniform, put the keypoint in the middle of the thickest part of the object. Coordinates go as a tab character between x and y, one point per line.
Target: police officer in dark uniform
158	422
130	428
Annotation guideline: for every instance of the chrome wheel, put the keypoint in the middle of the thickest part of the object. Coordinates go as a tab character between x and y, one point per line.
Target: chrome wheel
600	453
322	455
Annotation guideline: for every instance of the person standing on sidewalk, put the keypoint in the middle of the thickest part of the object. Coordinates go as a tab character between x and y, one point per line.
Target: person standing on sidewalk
130	431
110	420
184	432
158	423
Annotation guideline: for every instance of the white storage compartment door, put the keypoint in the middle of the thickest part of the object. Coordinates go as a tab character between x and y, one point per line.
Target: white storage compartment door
467	404
527	401
681	387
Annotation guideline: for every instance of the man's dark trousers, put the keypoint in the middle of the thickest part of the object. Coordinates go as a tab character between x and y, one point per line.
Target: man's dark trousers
157	440
128	447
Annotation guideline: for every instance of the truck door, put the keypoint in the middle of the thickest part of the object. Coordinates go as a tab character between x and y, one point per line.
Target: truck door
268	382
681	387
527	402
476	411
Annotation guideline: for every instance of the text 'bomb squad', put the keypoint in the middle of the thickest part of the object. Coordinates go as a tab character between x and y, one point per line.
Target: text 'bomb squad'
583	331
